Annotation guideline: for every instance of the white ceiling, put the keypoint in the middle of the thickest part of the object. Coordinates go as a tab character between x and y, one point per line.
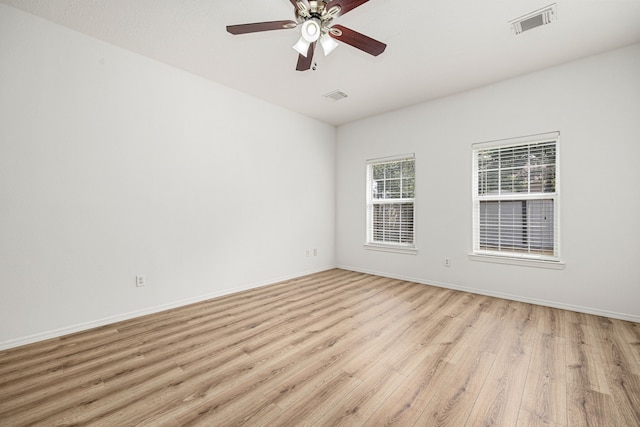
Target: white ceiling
434	48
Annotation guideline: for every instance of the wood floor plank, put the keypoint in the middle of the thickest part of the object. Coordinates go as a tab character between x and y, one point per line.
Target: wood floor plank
406	403
527	419
452	404
623	383
500	402
585	364
552	321
333	348
629	334
359	405
545	392
312	403
590	408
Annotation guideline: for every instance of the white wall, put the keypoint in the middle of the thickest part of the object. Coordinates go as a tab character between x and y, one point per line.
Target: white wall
113	165
594	103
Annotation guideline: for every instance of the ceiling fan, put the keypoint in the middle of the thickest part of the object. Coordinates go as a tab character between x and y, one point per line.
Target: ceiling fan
315	18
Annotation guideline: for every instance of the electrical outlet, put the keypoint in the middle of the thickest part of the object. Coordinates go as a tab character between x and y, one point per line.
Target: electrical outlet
315	252
139	280
308	253
447	262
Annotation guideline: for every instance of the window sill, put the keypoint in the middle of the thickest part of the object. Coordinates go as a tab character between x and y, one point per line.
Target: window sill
539	263
391	248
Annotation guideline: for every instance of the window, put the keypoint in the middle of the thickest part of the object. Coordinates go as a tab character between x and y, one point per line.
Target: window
515	198
390	203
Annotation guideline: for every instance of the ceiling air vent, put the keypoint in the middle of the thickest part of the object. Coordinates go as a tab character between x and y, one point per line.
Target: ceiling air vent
336	95
537	18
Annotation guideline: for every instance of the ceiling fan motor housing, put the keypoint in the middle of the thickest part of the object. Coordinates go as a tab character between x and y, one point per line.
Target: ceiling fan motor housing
316	8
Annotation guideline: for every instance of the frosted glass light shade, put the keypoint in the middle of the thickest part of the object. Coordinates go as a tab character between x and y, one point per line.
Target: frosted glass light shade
302	46
328	44
311	30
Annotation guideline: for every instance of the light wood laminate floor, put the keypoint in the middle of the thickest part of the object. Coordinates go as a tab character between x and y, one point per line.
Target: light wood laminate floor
334	348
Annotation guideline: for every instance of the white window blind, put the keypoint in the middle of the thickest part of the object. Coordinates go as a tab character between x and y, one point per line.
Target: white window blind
515	198
390	201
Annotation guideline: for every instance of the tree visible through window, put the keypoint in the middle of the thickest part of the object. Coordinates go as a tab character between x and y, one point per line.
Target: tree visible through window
390	201
515	198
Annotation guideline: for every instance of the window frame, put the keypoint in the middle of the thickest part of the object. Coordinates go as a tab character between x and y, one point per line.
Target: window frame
518	257
371	202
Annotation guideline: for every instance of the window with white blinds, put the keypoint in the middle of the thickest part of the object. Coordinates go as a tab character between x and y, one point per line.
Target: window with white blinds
515	198
390	202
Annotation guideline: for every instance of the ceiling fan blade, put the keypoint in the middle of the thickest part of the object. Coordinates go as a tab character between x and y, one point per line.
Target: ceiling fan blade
261	26
345	5
304	63
357	40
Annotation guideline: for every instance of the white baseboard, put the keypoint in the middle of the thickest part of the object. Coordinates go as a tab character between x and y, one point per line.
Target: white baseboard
150	310
546	303
55	333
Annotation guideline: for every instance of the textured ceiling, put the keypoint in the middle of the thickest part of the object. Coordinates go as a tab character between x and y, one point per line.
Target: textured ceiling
434	48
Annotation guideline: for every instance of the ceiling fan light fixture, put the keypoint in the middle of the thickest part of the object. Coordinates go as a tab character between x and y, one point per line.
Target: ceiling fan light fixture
315	17
302	46
328	44
311	29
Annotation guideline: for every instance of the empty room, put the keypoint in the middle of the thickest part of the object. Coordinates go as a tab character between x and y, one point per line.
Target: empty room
319	213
